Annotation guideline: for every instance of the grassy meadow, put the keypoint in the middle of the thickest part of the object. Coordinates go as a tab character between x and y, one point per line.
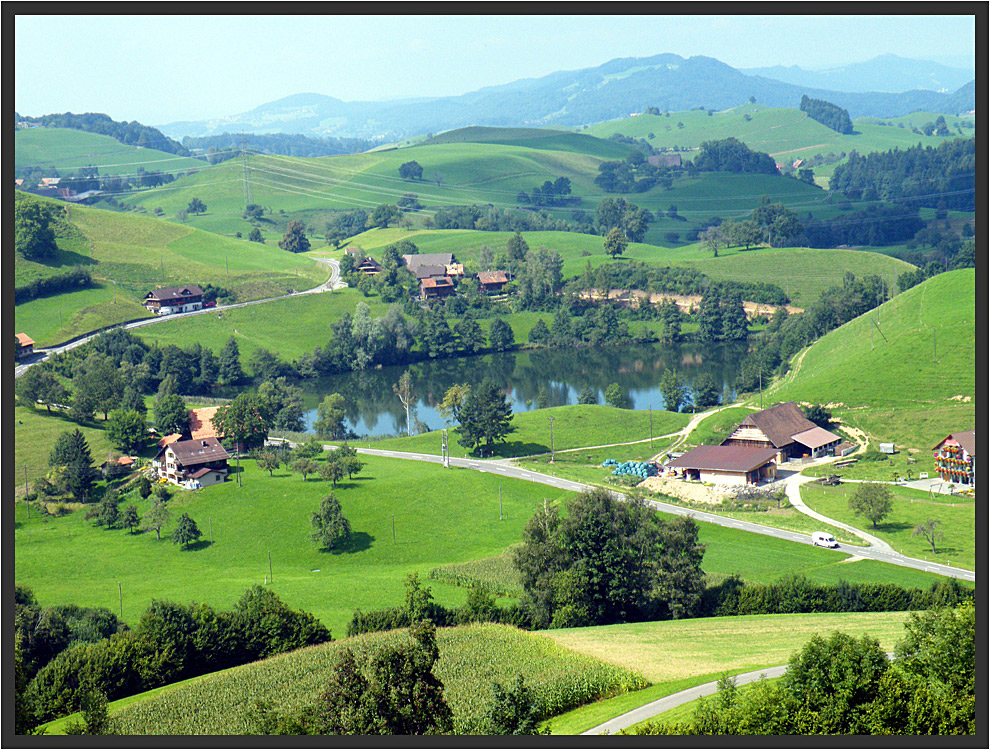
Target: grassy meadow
911	507
785	134
904	373
128	255
66	150
574	426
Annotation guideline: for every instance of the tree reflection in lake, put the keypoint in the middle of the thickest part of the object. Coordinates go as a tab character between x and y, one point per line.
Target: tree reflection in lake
373	409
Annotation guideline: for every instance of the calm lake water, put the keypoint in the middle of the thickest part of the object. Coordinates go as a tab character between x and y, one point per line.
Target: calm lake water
374	410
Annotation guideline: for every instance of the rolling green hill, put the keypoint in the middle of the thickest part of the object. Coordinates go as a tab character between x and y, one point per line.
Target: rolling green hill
489	172
535	138
128	255
785	134
903	373
67	150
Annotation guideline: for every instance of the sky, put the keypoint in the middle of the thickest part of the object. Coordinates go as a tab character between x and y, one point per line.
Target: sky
159	69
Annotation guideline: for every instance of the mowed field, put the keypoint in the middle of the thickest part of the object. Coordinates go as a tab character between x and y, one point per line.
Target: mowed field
129	255
904	373
439	517
785	134
66	150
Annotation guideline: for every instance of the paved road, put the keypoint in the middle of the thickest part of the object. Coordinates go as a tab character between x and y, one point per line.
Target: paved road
649	710
881	552
330	284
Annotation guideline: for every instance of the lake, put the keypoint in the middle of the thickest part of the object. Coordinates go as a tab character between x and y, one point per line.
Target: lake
373	409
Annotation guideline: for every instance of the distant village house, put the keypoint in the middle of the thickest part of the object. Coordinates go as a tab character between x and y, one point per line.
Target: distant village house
25	346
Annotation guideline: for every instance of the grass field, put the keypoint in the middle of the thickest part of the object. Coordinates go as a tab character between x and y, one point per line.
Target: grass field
574	426
455	521
128	255
785	134
885	378
910	508
67	150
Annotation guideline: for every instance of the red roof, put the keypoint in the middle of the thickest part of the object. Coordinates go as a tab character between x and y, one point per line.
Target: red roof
493	277
201	422
816	437
24	339
735	458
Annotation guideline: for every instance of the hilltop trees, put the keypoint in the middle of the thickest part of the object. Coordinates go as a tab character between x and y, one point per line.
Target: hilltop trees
731	155
828	114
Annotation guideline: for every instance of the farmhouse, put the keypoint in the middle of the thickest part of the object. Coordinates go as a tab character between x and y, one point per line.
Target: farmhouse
955	458
174	299
785	428
368	266
203	461
25	345
727	464
492	281
434	288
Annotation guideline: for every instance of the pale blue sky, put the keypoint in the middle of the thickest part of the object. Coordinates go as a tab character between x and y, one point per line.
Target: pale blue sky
158	69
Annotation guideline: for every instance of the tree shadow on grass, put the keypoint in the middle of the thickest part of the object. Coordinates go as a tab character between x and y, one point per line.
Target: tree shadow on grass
198	545
892	527
357	542
517	448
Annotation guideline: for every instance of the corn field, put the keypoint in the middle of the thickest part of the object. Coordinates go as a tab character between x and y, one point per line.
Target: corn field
497	575
472	657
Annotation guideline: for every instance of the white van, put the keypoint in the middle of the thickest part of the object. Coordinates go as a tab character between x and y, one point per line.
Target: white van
823	539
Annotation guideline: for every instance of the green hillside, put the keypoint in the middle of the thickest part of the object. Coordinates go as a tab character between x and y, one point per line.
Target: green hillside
785	134
462	173
903	373
128	255
66	150
535	138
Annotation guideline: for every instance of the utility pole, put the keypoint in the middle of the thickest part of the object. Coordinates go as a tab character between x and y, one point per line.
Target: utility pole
761	386
445	448
551	439
244	165
393	528
120	599
500	502
271	576
651	426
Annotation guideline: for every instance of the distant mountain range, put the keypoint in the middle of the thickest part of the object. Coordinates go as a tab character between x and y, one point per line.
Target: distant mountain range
615	89
888	73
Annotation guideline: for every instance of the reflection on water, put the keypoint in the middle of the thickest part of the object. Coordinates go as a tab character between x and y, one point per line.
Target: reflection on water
374	410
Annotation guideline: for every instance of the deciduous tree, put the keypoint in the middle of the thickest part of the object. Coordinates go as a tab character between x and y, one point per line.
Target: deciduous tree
332	529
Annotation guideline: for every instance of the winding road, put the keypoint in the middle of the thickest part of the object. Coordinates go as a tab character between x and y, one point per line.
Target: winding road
334	282
878	550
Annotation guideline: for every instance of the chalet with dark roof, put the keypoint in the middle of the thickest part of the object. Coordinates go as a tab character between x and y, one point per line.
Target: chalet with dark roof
174	299
784	428
434	288
202	460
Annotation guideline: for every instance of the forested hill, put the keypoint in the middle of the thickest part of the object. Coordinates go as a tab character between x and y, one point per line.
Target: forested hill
131	133
571	98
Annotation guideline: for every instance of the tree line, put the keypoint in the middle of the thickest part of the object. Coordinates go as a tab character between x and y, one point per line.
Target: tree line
61	661
828	114
917	176
131	133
